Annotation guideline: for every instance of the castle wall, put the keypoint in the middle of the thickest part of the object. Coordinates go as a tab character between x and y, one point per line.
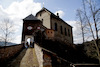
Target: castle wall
68	34
9	51
47	59
26	24
49	21
39	54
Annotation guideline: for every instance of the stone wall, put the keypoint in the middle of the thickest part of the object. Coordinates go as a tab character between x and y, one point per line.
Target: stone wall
39	54
68	35
49	21
8	52
90	49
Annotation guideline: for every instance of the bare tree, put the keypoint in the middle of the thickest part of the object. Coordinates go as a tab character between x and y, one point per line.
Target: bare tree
6	31
95	13
90	15
81	19
88	18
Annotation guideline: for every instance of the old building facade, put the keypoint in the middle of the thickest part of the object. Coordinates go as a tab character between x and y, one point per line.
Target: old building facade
51	21
30	25
50	38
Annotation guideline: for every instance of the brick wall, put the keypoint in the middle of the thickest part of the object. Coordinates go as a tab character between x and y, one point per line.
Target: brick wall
9	51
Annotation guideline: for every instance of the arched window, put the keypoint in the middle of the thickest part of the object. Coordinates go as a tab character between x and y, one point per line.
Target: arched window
40	14
61	30
55	28
65	32
42	20
68	32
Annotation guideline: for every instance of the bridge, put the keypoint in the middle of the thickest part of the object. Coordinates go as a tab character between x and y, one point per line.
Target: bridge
55	51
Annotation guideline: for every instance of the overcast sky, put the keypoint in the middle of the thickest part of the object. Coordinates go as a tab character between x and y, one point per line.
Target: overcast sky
16	10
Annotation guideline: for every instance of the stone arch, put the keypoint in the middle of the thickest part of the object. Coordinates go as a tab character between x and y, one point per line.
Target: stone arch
31	40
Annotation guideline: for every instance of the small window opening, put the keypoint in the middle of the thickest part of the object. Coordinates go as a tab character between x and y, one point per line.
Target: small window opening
55	26
61	30
40	14
68	32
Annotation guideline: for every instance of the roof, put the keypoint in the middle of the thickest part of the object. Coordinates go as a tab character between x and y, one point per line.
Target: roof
52	15
30	17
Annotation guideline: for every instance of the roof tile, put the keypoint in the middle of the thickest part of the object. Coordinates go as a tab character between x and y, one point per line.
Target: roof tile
30	17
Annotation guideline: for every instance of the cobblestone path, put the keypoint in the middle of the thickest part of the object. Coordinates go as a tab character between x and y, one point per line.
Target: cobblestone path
30	59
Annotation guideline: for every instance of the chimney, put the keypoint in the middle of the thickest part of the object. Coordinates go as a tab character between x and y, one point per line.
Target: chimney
58	14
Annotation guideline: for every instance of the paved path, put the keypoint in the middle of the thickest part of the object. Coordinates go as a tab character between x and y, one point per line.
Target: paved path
27	58
30	59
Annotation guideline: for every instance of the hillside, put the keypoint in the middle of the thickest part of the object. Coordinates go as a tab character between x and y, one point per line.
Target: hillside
8	44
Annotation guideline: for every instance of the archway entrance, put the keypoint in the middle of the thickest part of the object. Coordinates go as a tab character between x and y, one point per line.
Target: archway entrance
29	41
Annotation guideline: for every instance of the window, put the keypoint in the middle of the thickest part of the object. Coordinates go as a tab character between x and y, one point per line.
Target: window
42	20
61	30
40	14
55	26
65	32
68	32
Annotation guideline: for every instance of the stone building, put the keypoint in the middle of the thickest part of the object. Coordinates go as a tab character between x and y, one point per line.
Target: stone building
52	21
30	25
52	38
